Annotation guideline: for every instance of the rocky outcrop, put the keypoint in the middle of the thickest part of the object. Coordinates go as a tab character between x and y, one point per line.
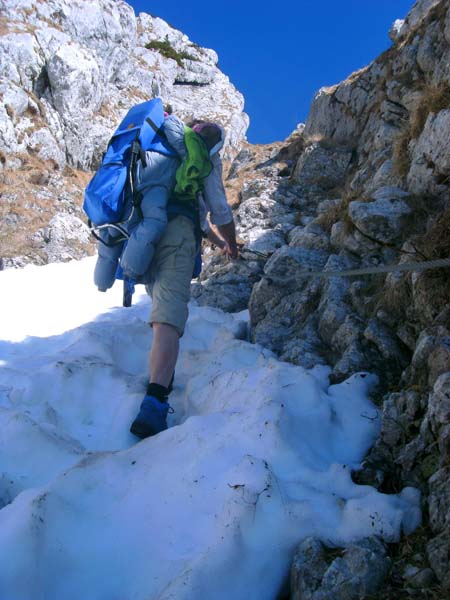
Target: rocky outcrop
367	184
369	204
390	112
69	71
82	64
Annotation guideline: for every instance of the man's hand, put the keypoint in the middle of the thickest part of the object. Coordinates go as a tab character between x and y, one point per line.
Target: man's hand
227	251
228	233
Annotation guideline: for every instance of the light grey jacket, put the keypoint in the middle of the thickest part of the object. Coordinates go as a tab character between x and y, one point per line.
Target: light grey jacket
156	182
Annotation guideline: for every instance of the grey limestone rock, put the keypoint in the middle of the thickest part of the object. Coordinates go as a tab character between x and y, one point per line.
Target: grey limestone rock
241	160
195	73
87	61
47	148
225	285
419	11
439	500
322	167
344	237
62	229
430	161
444	445
261	212
419	578
358	573
266	241
308	567
289	266
384	219
439	402
439	360
229	297
438	553
305	351
334	307
75	82
350	331
21	61
312	237
432	353
354	358
426	343
385	176
385	340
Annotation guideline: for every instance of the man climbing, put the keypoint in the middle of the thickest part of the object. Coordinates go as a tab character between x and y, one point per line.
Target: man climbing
172	268
157	174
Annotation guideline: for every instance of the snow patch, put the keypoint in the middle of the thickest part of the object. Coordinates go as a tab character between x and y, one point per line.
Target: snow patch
258	454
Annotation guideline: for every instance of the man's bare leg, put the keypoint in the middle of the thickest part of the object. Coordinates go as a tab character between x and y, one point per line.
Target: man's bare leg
151	418
164	353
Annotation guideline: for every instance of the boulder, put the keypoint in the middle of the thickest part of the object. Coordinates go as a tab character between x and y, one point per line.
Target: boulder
430	160
438	554
64	229
439	402
289	266
47	148
21	60
322	166
439	500
75	82
312	237
266	241
262	213
358	573
384	219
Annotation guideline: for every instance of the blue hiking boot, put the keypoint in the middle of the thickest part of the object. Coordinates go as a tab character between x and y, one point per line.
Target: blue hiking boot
152	417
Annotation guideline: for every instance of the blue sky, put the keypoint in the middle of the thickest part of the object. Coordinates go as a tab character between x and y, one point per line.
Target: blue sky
279	54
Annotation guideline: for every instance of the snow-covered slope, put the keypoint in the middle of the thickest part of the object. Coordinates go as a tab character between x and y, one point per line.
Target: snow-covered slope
257	457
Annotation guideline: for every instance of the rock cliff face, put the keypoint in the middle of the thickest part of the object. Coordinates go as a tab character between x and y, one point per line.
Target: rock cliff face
365	182
69	70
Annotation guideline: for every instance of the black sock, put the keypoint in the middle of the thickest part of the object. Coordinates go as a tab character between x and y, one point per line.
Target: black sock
158	391
170	388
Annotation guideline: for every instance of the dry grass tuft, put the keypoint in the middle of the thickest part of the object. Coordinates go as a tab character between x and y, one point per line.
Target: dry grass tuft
4	26
434	100
410	550
395	299
105	110
435	243
28	201
32	112
400	155
338	213
10	112
135	92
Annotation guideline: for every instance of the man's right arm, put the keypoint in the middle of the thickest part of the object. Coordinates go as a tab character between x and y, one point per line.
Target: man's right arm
216	203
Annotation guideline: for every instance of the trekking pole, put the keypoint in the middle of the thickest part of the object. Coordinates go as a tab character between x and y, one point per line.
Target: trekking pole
128	291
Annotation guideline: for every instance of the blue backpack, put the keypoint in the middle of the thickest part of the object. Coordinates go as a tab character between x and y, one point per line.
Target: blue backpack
107	192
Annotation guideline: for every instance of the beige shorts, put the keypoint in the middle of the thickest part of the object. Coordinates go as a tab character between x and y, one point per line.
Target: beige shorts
171	275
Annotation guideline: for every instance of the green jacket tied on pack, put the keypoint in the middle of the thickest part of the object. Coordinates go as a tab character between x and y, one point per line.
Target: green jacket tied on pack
194	169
